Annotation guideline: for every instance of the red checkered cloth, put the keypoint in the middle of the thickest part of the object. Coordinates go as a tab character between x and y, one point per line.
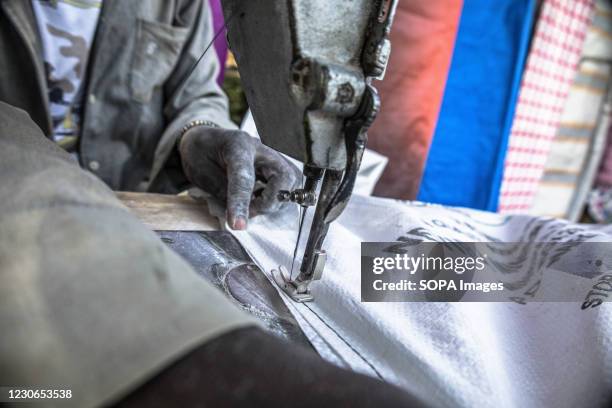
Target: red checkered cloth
551	65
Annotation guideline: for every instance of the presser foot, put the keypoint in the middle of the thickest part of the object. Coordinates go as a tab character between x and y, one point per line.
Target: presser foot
297	291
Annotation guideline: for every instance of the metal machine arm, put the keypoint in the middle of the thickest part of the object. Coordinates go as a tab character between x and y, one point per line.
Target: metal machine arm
306	67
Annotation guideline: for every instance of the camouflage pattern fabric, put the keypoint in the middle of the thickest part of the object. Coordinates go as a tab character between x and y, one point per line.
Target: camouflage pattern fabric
67	30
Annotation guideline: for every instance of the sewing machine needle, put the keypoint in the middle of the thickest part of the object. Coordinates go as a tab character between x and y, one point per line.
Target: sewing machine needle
297	244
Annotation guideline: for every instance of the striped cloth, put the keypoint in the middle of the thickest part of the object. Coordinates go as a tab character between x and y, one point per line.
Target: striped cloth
578	146
555	52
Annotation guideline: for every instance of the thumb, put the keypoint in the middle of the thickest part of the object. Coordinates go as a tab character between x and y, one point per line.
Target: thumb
240	184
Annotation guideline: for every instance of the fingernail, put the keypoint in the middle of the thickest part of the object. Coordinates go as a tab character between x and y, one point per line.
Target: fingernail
239	224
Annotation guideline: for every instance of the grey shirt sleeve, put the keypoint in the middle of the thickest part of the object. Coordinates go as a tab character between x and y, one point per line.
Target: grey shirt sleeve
191	95
90	300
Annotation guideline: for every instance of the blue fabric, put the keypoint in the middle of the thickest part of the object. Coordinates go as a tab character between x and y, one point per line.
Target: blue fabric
466	158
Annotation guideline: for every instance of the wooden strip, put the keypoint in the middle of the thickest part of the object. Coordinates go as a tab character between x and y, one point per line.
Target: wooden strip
162	212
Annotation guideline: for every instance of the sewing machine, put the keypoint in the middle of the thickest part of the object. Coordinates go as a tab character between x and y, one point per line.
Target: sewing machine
306	67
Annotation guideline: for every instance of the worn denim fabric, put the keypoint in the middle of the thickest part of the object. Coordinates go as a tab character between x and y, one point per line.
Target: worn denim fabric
135	102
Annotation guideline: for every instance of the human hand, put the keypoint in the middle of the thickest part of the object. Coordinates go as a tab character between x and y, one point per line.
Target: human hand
227	163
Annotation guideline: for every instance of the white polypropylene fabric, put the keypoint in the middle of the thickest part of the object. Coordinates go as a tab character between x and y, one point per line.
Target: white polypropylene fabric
448	354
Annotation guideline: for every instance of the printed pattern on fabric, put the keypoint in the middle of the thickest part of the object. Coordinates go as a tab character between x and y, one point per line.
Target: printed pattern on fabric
67	29
551	65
